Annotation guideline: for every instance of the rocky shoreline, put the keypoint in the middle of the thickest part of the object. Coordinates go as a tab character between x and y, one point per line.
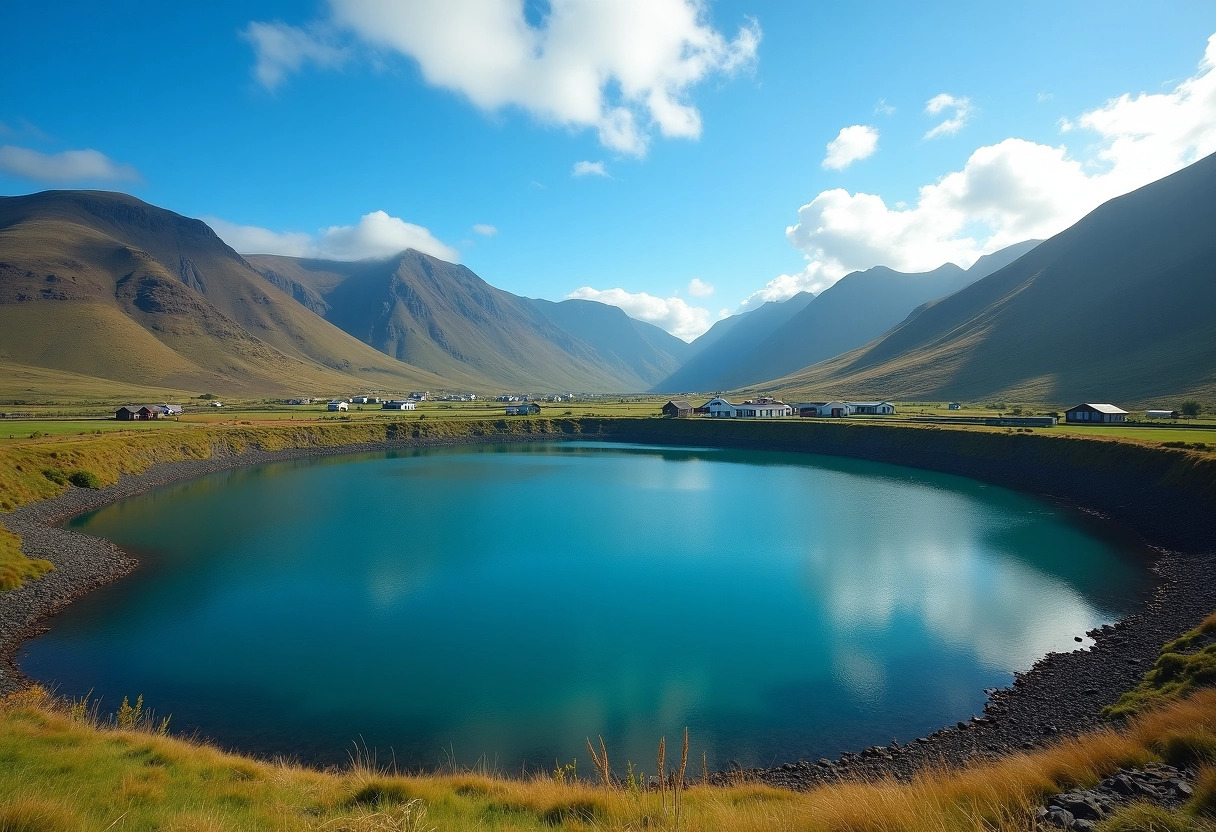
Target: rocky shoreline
1061	695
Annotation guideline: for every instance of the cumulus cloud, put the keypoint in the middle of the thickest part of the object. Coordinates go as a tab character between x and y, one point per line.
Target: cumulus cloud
850	145
282	50
375	235
1007	192
960	109
621	68
68	166
698	288
588	169
484	230
673	314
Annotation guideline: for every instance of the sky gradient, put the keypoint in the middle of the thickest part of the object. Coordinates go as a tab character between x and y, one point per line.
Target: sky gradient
682	160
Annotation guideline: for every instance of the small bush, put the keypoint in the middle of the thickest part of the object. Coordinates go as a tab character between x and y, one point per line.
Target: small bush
1145	817
1187	749
56	475
85	479
1204	802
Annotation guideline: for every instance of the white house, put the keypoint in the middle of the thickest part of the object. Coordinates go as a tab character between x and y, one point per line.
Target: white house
759	408
366	400
399	404
1161	414
872	408
1104	413
719	408
217	404
338	404
170	409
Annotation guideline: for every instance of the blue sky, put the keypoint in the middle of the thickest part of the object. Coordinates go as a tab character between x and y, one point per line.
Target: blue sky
701	131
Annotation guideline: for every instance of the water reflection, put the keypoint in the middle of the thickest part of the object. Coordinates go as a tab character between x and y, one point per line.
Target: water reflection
508	601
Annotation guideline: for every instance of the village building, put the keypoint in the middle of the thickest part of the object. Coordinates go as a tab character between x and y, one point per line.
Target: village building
834	409
677	408
399	404
762	407
301	400
170	409
137	413
1095	413
525	409
872	408
718	408
420	396
954	406
1161	414
338	404
365	400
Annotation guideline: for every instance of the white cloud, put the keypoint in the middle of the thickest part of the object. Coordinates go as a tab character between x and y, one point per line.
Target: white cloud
375	235
588	169
672	314
68	166
850	145
698	288
882	108
1006	192
484	229
959	107
622	68
282	50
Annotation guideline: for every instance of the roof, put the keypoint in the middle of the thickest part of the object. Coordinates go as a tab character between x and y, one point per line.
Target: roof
1101	408
680	403
868	404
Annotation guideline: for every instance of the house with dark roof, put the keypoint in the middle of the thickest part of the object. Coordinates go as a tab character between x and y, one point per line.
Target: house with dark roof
677	408
137	412
1089	414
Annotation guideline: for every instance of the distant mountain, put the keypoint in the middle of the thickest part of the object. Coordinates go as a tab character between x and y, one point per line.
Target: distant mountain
727	340
101	285
856	309
443	317
806	329
636	347
1118	308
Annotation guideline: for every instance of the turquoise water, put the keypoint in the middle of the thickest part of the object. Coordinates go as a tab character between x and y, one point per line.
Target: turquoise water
503	603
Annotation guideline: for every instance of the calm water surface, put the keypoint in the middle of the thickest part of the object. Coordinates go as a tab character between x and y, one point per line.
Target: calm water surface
505	602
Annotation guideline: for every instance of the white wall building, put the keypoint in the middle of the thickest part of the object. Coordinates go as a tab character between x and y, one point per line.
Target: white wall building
338	404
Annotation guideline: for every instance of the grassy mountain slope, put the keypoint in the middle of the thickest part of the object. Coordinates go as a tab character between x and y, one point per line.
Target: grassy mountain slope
103	285
636	347
1118	308
856	309
445	318
728	339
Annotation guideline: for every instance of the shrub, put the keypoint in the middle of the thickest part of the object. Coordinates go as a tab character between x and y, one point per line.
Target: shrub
56	475
85	479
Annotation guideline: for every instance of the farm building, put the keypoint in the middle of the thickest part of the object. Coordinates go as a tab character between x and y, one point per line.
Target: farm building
1161	414
872	408
525	409
170	409
137	413
399	404
301	400
759	408
365	400
677	408
954	406
836	409
1091	413
338	404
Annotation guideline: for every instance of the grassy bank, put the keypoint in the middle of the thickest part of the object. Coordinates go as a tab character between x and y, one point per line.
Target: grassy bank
65	770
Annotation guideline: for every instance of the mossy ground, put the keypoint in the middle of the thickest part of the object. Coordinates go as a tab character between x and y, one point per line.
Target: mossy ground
1184	664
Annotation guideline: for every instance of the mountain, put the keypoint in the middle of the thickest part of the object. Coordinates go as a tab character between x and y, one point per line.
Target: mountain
725	341
633	346
1117	308
856	309
105	286
443	317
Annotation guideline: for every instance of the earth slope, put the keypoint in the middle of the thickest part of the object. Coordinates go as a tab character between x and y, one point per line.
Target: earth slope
102	285
1117	308
443	317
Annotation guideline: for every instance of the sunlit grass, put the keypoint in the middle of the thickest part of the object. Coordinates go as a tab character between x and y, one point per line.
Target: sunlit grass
65	772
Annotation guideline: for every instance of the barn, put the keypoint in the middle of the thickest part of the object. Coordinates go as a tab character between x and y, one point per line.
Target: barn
1095	414
677	408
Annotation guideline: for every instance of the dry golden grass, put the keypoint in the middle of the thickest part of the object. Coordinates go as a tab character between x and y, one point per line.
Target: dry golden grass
65	773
